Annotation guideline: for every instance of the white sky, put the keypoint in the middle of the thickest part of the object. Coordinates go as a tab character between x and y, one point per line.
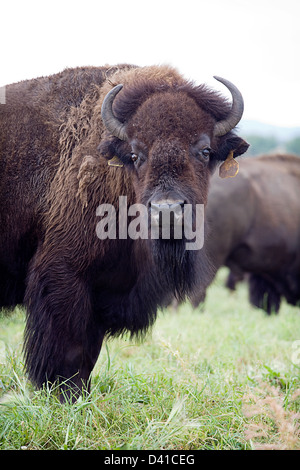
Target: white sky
255	43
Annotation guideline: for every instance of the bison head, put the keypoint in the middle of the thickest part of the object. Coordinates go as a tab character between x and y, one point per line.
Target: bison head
171	137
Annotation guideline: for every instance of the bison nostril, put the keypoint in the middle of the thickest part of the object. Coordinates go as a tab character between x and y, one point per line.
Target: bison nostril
167	212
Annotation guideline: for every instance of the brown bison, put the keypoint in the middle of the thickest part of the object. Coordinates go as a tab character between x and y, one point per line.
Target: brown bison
254	224
79	140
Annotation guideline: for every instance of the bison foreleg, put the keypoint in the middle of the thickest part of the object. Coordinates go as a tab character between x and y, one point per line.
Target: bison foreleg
62	338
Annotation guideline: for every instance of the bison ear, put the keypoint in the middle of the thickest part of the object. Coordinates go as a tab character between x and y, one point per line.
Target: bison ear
115	151
231	143
230	146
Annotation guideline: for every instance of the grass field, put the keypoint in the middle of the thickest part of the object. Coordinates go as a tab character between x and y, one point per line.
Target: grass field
226	376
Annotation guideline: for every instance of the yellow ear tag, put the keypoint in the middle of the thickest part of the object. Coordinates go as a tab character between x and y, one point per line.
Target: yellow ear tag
115	161
229	168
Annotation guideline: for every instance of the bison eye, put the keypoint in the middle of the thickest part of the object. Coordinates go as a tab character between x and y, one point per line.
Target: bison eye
205	152
134	157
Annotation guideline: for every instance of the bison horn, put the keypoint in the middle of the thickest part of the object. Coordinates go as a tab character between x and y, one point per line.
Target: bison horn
224	126
112	124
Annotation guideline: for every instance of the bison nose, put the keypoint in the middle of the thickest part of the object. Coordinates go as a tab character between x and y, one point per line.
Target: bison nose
167	212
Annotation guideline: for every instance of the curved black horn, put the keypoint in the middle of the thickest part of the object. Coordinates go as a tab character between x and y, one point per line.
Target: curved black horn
114	126
237	109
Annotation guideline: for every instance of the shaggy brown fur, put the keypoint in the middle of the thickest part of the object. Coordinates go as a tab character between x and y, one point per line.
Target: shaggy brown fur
54	174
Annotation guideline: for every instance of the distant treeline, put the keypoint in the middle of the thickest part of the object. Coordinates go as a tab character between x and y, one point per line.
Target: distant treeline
260	144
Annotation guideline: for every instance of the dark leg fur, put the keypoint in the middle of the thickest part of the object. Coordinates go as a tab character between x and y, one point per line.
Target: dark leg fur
12	288
62	338
234	277
263	294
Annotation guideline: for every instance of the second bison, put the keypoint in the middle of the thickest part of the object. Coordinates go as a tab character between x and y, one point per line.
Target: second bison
254	225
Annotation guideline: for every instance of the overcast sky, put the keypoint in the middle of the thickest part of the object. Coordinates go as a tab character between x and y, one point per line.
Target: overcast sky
255	43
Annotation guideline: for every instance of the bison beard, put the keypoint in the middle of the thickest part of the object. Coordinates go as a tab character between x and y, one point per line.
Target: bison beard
167	135
182	269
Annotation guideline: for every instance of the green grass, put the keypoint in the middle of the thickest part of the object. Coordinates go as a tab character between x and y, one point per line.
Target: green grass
225	376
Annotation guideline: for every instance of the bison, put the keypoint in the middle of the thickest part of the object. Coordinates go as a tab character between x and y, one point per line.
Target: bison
254	224
79	140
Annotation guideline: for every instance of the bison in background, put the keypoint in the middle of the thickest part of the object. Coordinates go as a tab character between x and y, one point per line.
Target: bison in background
77	140
253	222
